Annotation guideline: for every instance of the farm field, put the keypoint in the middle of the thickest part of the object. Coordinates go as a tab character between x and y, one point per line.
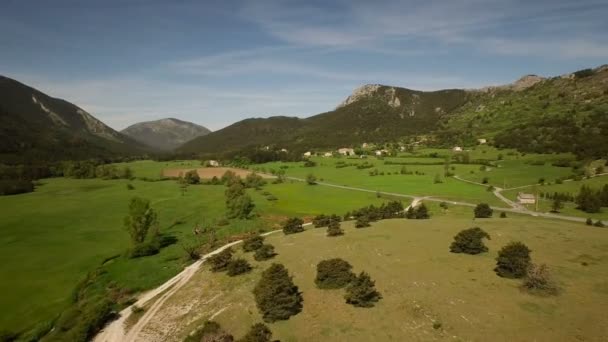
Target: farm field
151	169
429	294
68	227
422	184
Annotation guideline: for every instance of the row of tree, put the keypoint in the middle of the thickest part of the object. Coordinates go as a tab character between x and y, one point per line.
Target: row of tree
591	201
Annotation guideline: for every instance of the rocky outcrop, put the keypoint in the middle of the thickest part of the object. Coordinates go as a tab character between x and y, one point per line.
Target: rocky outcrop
373	90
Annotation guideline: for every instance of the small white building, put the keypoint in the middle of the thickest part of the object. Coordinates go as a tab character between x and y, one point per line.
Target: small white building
457	149
364	145
307	154
524	198
482	141
381	152
327	154
213	163
346	151
284	150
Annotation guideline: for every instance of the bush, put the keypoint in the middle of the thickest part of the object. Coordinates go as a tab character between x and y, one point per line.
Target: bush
362	222
421	212
320	221
258	332
238	266
219	262
333	274
192	177
264	253
513	260
81	322
599	223
503	215
483	210
311	179
334	229
253	243
210	332
130	187
361	292
14	187
276	296
539	281
144	249
589	222
470	241
293	225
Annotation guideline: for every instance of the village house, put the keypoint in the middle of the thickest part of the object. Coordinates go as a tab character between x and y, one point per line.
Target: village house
307	154
457	149
364	145
213	163
482	141
346	151
381	152
524	198
327	154
284	150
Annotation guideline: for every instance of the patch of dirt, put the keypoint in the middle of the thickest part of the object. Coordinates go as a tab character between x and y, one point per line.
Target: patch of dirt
210	172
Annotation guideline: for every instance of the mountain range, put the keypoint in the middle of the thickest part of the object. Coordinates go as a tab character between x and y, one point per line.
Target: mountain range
567	113
165	134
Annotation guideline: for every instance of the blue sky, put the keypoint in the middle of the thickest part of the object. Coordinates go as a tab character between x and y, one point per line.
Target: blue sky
217	62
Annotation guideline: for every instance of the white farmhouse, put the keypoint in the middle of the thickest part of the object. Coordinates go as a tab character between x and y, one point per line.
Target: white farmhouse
307	154
346	151
213	163
284	150
524	198
482	141
457	149
327	154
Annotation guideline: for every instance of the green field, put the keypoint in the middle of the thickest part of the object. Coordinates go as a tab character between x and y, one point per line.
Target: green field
421	282
67	227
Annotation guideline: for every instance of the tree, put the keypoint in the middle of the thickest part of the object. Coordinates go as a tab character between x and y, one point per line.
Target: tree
470	241
421	212
589	221
599	223
320	221
556	205
588	200
293	225
210	332
538	280
503	215
362	222
276	296
258	332
311	179
253	243
333	274
443	206
192	177
513	260
333	229
219	262
437	179
264	253
361	291
410	214
240	207
238	266
140	219
483	210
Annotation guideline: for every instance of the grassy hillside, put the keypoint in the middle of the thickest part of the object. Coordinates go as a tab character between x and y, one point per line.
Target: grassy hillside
35	126
429	294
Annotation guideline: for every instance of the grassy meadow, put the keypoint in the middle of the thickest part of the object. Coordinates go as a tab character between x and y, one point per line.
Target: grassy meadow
429	294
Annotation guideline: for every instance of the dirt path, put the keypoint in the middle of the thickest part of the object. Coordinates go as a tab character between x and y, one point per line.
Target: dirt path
115	331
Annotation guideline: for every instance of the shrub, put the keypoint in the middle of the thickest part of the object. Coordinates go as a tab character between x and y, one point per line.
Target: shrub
333	274
219	262
421	212
192	177
276	296
144	249
589	222
130	187
443	205
483	210
362	222
583	73
238	266
253	243
293	225
539	281
503	215
361	292
264	253
334	229
240	207
210	332
599	223
258	332
320	221
470	241
311	179
14	187
513	260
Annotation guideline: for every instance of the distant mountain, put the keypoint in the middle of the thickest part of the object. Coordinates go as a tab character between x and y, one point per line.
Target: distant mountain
568	113
35	126
165	134
372	113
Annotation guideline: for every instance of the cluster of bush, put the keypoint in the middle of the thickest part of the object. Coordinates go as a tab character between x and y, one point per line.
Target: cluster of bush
403	171
223	261
560	196
419	212
591	201
337	273
213	332
513	260
365	165
392	209
261	250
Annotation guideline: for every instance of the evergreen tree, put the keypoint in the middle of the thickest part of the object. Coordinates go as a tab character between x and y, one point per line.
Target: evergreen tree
293	225
140	220
513	260
258	332
422	212
333	229
588	200
253	243
276	296
240	207
333	274
219	262
556	205
362	222
264	253
192	177
470	241
483	210
361	292
238	266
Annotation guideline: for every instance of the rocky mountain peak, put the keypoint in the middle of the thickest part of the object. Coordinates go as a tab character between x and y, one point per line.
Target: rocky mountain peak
370	90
